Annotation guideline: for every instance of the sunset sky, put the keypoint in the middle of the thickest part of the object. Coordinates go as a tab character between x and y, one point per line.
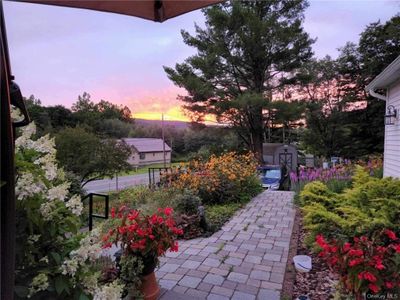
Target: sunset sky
59	53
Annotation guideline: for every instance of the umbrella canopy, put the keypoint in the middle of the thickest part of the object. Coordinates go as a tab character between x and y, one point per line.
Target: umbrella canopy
155	10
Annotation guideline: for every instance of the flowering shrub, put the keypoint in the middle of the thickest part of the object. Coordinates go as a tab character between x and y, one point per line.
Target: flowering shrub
365	265
147	236
53	259
225	178
337	178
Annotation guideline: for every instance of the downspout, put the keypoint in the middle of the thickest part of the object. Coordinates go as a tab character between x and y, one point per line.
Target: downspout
376	95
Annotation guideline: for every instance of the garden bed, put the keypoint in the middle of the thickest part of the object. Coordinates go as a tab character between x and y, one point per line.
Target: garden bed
320	282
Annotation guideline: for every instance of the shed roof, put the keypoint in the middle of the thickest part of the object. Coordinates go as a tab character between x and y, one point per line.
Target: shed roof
387	77
147	144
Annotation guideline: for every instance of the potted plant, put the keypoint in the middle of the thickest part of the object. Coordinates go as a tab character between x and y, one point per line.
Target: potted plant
142	239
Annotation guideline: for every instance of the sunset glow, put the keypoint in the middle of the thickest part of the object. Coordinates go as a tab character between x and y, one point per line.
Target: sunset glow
173	114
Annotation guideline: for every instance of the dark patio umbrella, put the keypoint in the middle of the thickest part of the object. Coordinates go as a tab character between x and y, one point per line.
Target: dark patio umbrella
158	11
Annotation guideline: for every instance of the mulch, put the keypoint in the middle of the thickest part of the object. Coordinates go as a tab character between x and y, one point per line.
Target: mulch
319	283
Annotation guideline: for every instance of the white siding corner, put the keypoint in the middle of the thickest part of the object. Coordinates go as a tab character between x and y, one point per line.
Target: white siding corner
392	136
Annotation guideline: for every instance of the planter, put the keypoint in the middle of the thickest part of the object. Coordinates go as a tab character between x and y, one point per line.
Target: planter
149	287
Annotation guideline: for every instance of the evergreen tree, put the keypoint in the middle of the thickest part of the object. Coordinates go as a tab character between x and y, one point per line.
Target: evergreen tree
248	50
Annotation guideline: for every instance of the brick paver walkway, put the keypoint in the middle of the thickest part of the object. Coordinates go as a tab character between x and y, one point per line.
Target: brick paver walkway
246	259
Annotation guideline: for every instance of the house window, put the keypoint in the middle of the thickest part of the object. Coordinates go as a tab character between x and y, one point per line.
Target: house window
142	155
154	154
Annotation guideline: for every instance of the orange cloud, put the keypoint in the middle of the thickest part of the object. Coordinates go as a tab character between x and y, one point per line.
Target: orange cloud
174	113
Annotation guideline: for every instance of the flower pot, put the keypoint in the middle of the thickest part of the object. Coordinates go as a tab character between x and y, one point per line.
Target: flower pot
149	287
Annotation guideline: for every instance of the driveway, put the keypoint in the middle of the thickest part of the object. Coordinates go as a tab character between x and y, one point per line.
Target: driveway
107	185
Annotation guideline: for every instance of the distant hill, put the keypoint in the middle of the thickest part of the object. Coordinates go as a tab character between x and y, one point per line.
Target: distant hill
176	124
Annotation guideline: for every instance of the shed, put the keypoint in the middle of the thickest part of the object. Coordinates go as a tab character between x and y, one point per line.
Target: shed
280	154
386	87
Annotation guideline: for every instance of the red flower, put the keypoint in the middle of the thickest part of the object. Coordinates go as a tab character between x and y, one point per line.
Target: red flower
397	248
369	276
168	211
107	245
356	252
355	262
346	247
174	248
154	219
373	287
389	284
390	234
333	260
133	215
379	266
113	212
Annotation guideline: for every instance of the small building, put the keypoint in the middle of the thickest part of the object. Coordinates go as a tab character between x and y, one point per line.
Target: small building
280	154
386	87
147	151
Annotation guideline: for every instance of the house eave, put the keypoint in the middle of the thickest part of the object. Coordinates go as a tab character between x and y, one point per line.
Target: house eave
386	78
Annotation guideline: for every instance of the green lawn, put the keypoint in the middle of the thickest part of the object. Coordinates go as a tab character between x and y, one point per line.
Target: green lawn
144	169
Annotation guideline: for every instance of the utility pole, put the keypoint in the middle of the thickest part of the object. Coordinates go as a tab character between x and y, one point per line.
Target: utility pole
163	139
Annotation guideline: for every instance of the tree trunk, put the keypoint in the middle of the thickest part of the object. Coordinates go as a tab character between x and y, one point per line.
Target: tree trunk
257	134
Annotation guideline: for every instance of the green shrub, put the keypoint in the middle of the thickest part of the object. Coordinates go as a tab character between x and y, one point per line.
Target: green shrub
317	192
217	215
187	203
371	204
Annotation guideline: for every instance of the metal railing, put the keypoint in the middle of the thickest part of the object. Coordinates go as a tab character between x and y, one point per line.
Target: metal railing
153	183
106	207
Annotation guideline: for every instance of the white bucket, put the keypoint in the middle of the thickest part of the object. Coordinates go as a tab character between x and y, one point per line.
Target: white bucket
302	263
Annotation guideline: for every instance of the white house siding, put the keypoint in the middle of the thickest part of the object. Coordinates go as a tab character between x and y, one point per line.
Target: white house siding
148	158
392	135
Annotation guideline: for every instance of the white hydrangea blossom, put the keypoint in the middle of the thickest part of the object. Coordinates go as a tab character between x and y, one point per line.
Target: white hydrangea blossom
46	210
44	259
24	141
90	283
33	238
49	166
111	291
70	266
16	114
39	283
45	144
75	205
90	249
58	192
27	186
